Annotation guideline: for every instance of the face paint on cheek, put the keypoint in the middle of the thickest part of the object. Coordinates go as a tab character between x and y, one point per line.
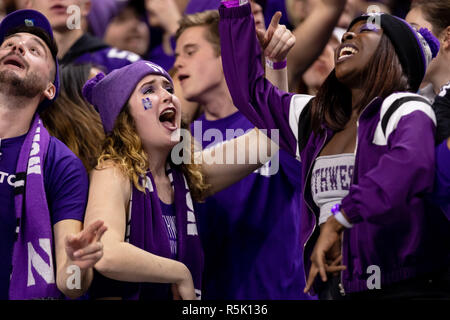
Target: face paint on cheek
147	103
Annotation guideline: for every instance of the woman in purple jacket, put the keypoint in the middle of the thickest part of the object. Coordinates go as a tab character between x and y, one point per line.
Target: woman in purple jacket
367	147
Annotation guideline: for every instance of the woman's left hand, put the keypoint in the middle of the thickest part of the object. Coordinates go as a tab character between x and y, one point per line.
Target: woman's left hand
330	234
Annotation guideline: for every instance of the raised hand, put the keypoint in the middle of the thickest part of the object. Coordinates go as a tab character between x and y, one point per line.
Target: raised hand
277	40
166	13
85	248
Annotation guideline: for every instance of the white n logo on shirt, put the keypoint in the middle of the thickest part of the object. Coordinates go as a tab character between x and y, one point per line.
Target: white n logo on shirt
42	268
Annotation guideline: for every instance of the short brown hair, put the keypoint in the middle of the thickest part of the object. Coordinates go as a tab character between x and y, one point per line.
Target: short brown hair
437	12
210	20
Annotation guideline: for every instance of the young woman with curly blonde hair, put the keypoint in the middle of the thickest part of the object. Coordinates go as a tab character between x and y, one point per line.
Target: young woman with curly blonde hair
143	197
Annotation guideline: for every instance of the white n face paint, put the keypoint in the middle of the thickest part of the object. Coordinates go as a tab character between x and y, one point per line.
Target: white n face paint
147	103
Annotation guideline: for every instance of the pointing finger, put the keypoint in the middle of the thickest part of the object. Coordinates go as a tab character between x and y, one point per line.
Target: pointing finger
275	20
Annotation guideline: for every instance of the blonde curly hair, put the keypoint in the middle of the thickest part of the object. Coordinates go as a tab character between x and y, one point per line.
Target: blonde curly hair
124	148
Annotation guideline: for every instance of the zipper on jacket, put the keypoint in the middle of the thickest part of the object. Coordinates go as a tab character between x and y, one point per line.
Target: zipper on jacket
341	285
304	199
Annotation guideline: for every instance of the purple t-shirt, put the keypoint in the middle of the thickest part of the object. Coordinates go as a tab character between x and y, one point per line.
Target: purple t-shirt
250	231
66	186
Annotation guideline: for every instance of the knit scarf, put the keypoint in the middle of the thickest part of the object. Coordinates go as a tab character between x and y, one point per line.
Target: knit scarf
146	230
33	266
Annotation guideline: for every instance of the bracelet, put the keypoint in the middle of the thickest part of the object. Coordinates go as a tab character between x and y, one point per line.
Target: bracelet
336	211
276	65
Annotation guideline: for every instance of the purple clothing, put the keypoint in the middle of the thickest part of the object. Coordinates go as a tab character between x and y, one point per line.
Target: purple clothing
441	192
195	6
251	242
66	186
395	228
146	230
89	49
158	56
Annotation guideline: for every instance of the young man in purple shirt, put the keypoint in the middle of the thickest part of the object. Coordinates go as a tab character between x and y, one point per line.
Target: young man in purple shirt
43	185
69	20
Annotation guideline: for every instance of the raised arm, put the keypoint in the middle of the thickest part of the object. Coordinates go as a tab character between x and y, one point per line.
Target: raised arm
109	195
312	35
262	103
276	42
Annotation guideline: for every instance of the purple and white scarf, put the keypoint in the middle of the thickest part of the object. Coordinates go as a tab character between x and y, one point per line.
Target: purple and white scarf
146	230
33	266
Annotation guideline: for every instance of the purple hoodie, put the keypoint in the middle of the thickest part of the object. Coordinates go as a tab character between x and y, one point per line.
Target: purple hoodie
395	228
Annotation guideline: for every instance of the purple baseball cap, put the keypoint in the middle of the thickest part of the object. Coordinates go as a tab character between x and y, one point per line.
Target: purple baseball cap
31	18
110	93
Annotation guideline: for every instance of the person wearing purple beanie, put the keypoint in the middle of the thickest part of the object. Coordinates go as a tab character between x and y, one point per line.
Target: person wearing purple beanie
366	143
43	185
145	194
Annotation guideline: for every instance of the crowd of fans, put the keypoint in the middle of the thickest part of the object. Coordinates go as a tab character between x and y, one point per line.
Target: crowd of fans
314	138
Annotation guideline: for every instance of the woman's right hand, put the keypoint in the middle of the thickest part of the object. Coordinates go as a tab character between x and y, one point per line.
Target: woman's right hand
277	41
184	289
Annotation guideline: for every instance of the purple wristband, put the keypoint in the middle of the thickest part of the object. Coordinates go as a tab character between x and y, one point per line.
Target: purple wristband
337	213
233	3
276	65
336	208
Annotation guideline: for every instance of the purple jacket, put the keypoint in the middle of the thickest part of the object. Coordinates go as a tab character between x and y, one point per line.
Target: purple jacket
395	228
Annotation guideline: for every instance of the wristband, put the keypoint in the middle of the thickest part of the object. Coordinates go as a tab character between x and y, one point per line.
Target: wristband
233	3
276	65
336	211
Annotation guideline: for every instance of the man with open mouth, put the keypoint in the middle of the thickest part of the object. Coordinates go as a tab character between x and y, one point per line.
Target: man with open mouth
43	185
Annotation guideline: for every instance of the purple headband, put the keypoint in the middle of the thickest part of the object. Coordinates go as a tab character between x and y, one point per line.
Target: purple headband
110	93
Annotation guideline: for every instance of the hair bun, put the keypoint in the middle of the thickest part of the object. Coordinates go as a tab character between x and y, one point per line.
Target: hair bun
89	87
432	41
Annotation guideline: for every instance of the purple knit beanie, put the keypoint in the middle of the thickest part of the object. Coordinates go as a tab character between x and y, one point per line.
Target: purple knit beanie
110	93
415	48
